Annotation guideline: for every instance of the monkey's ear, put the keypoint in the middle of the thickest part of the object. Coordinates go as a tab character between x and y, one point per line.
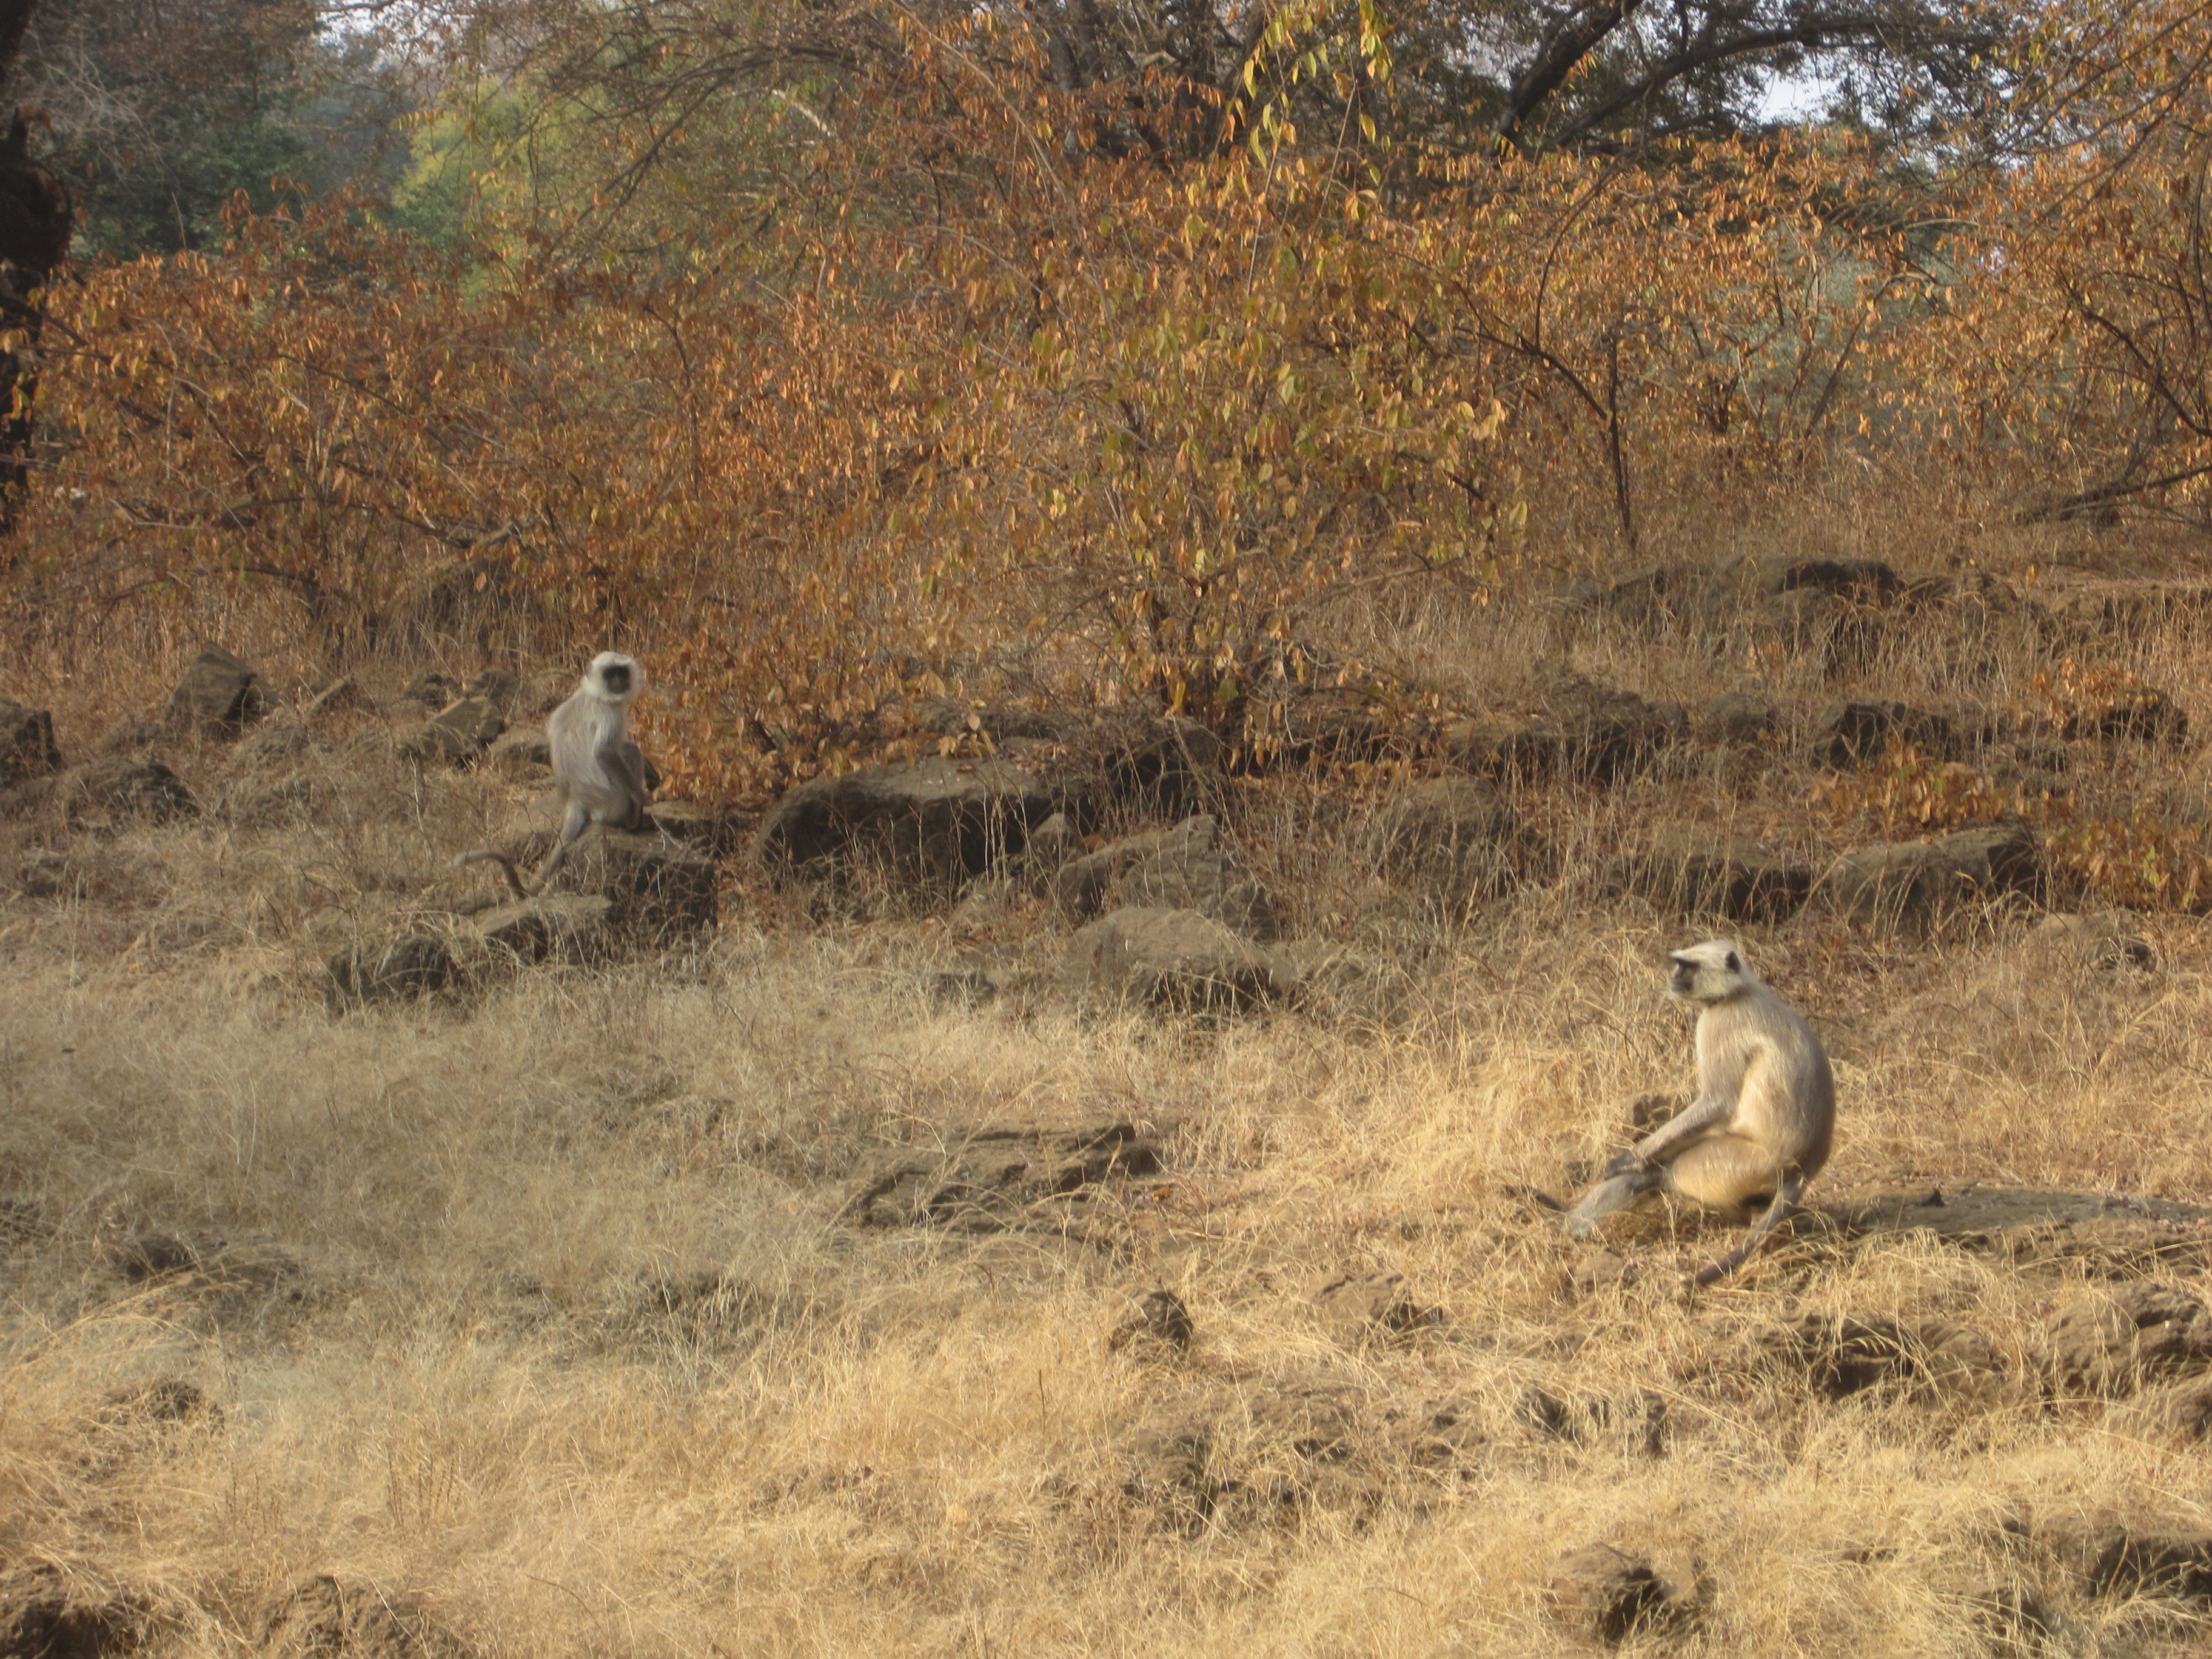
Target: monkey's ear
1732	965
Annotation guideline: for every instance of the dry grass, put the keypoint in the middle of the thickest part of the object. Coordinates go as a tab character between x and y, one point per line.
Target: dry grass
540	1304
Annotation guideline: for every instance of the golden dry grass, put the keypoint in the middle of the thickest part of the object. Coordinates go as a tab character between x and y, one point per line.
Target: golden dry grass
540	1305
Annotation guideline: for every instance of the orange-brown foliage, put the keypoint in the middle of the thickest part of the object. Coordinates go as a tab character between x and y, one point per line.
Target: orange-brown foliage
974	407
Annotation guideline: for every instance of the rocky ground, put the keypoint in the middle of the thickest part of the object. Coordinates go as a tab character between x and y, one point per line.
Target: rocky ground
1078	1187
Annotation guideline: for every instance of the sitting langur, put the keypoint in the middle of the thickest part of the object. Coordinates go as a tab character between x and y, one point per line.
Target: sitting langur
599	775
1765	1111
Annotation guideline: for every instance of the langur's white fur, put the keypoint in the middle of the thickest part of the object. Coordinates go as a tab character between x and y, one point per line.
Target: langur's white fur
598	772
1765	1116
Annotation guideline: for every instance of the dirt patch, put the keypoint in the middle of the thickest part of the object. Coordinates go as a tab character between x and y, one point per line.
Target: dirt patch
2028	1225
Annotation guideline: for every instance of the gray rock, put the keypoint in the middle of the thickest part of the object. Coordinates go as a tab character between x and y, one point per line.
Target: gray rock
395	971
2116	1560
26	744
1862	581
2105	942
499	687
657	892
1356	1303
2111	1342
703	826
217	695
1924	881
1851	732
1171	959
458	736
575	927
120	787
521	752
1603	1593
936	822
1185	868
1694	870
1737	717
430	689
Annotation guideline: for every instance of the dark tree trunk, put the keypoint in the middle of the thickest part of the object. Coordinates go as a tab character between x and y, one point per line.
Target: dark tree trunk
36	220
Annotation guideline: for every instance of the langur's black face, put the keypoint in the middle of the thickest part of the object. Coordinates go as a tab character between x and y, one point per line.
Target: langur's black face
615	678
1683	981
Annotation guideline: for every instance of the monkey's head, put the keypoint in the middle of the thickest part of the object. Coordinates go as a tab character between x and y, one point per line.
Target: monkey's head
1710	973
613	677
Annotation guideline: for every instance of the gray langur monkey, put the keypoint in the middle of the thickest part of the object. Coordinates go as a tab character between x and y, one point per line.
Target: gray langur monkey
599	775
1763	1120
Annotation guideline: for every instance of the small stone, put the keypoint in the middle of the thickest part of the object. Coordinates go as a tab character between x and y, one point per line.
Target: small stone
1607	1594
1378	1302
499	687
431	688
458	736
521	752
217	695
120	787
1160	1316
1189	867
26	744
2111	1343
2104	943
1737	717
575	927
1171	959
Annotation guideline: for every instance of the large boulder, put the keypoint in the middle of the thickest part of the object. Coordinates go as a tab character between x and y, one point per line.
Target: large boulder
1851	732
1862	581
120	788
558	927
1172	959
2111	1342
1740	718
1189	867
938	822
1694	870
2104	942
217	695
521	752
458	735
1127	769
657	891
26	744
1924	881
1458	838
